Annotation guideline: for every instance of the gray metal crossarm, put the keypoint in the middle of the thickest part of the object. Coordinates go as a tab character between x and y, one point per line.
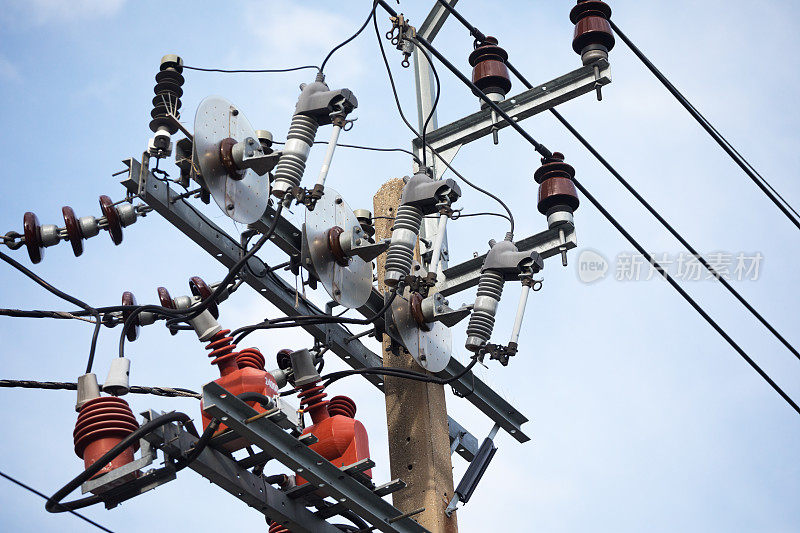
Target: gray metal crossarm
218	243
304	461
524	105
249	488
548	243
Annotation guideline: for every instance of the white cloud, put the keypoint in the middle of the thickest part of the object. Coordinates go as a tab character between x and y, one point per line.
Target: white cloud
48	11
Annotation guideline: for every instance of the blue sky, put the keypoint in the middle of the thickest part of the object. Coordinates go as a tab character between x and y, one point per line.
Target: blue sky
642	418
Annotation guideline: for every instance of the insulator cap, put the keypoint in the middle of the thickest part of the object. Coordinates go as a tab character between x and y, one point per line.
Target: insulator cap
489	70
591	25
555	184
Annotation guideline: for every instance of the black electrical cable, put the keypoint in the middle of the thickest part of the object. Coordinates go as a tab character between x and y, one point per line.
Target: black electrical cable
423	43
31	489
660	219
54	504
310	320
170	392
759	180
686	296
622	230
370	148
195	310
63	296
433	109
251	71
343	43
415	132
475	32
677	235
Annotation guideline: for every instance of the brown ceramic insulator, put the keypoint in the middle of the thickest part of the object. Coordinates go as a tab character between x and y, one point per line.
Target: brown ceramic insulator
554	167
250	358
102	424
33	237
165	299
226	157
284	358
591	25
557	191
342	405
415	302
129	300
200	288
73	230
489	71
114	224
335	246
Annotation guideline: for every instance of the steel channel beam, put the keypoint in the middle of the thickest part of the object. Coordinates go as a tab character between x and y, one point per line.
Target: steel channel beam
219	244
524	105
305	461
249	488
467	274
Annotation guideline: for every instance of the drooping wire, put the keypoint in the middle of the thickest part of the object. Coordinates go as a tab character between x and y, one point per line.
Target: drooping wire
64	296
370	148
419	136
748	169
251	71
346	41
195	310
44	496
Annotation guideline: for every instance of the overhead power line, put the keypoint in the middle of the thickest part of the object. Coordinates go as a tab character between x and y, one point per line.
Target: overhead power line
169	392
41	495
757	178
615	223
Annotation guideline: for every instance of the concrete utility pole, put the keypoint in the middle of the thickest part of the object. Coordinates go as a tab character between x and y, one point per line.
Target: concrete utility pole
416	412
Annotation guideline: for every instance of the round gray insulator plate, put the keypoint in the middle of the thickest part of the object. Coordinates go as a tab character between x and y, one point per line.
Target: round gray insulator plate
349	285
430	349
244	200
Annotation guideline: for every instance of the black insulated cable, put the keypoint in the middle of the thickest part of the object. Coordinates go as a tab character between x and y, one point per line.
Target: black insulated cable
748	169
74	513
686	296
64	296
661	219
343	43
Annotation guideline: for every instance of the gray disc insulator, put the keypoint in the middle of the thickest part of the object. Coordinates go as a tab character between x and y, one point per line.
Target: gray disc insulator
481	322
404	238
292	164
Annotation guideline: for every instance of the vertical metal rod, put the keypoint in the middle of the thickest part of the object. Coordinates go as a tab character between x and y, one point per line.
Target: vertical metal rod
437	243
326	164
523	301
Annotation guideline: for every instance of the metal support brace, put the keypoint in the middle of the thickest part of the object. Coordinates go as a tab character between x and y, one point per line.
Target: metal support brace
303	460
524	105
548	243
227	251
253	490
